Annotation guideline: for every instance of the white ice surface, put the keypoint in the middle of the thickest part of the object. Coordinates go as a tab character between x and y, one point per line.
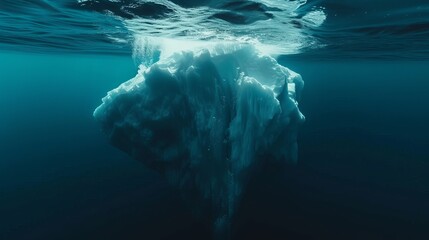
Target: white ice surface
206	120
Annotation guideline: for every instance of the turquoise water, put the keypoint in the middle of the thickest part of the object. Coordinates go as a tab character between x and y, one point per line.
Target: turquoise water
362	163
363	157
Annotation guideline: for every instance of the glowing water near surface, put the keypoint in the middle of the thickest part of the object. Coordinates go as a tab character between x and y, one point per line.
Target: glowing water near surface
215	109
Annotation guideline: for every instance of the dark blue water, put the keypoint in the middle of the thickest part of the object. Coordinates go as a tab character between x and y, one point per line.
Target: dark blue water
363	161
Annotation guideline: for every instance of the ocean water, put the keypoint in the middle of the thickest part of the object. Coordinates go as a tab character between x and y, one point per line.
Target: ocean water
363	153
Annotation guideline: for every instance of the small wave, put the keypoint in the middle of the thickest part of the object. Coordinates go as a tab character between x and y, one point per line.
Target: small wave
126	9
326	28
265	22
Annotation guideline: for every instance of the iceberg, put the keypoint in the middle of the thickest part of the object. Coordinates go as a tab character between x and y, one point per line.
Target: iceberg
206	119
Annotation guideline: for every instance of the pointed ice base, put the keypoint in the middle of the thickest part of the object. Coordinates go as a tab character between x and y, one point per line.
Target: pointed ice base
206	120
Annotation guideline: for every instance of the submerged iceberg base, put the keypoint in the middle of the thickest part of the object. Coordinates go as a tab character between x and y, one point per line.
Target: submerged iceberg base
206	120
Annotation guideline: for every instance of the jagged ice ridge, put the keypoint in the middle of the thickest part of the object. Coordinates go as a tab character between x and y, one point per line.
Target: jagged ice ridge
206	120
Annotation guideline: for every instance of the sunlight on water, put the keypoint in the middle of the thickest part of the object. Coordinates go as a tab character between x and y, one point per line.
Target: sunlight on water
309	29
211	109
239	23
